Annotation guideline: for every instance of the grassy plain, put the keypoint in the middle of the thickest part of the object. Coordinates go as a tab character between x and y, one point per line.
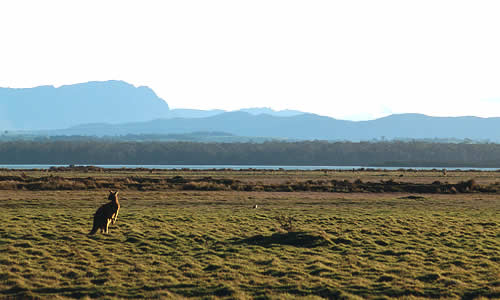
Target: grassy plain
172	242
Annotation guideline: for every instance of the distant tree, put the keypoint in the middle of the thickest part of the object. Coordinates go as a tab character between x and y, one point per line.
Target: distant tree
395	153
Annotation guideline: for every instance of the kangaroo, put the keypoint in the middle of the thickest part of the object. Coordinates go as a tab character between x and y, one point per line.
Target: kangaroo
106	214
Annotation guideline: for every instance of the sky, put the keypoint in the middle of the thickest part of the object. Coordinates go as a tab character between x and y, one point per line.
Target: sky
354	60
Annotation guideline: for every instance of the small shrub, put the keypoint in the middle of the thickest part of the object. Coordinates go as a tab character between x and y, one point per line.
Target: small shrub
286	223
204	186
284	188
8	185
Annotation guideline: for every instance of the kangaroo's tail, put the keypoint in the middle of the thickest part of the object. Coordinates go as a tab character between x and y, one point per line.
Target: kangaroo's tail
94	228
93	231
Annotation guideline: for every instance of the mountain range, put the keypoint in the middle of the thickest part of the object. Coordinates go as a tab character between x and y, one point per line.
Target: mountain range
305	127
113	108
48	107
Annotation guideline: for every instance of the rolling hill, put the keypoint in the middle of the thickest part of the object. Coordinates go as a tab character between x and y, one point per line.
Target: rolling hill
306	127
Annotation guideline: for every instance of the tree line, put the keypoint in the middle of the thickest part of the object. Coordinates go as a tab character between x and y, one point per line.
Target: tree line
394	153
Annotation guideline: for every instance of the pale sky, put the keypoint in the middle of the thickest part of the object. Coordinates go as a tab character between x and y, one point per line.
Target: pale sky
347	59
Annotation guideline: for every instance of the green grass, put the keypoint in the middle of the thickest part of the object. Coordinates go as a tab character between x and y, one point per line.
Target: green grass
174	244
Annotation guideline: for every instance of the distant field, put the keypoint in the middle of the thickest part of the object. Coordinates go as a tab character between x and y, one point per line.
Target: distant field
174	242
360	180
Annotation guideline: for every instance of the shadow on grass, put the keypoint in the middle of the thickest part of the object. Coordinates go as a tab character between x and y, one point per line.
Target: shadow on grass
297	239
258	291
191	290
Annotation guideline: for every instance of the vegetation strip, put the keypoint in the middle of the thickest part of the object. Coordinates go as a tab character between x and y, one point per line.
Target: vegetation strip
51	182
306	153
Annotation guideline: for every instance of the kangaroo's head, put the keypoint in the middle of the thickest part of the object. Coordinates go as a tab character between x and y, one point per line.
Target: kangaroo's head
113	196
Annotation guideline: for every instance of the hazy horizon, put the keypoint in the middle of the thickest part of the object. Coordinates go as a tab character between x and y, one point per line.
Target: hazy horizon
356	60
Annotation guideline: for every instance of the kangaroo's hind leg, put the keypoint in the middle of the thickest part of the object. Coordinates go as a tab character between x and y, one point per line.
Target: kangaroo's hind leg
107	225
101	225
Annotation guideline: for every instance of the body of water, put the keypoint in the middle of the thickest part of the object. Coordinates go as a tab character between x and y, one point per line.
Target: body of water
242	167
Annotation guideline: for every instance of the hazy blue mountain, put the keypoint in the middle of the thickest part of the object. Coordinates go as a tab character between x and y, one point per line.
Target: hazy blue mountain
269	111
47	107
118	108
196	113
193	113
307	127
420	126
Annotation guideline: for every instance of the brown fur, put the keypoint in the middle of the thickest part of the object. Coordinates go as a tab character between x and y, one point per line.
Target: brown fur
106	214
